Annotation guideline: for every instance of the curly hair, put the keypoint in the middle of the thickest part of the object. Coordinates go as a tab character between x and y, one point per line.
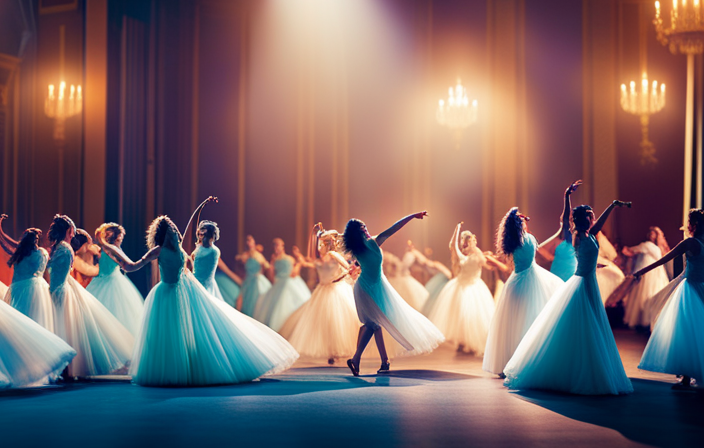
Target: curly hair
111	230
509	236
332	239
353	237
79	239
580	218
58	229
28	244
159	229
696	222
210	229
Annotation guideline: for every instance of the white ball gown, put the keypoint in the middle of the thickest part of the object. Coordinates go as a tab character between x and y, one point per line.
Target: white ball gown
608	276
29	293
465	306
654	305
190	338
103	345
119	295
3	290
434	286
649	285
253	285
677	343
205	264
326	326
283	298
570	346
410	289
522	298
29	353
564	264
379	305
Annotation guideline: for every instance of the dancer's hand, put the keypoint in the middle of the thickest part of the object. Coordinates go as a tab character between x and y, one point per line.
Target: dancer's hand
572	188
3	217
211	199
622	204
420	215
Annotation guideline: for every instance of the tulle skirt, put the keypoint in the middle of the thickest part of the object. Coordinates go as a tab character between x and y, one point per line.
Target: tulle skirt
463	313
31	297
228	288
654	305
103	345
189	338
253	287
29	354
121	298
649	285
570	346
212	287
410	290
280	301
434	286
379	305
677	343
3	290
326	326
522	298
608	278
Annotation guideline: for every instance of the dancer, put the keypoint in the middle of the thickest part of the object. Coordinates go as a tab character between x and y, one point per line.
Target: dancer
326	325
111	286
285	296
410	289
608	274
570	346
86	255
103	345
524	295
190	338
298	264
229	283
28	293
255	283
648	285
440	276
558	248
464	308
677	343
206	257
379	305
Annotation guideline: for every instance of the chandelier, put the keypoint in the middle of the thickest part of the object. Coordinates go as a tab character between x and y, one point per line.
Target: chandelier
60	107
644	102
457	113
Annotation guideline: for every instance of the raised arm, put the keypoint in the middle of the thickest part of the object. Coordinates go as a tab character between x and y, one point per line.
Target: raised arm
229	272
690	244
599	224
195	217
565	233
383	236
8	244
457	252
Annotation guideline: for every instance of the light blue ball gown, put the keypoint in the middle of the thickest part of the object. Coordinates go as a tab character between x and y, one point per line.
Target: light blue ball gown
677	343
284	297
570	347
522	298
190	338
379	305
103	345
119	295
205	264
253	285
29	293
564	264
434	286
228	288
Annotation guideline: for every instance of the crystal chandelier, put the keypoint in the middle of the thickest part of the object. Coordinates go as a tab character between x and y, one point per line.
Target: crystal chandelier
643	103
60	107
457	113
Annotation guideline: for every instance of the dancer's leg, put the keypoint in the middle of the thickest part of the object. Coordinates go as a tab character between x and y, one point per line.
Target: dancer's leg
379	338
365	334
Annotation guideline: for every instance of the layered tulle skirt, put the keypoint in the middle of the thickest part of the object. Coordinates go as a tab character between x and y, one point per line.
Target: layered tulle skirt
326	326
410	290
634	303
212	287
103	345
189	338
280	301
228	288
570	346
654	305
121	298
434	286
253	286
463	313
609	277
676	345
31	297
522	298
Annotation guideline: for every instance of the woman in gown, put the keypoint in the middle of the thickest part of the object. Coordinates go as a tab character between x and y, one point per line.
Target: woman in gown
103	345
255	283
379	305
285	296
29	292
464	308
648	285
524	295
190	338
112	287
326	325
608	274
206	257
440	275
676	345
570	347
410	289
558	248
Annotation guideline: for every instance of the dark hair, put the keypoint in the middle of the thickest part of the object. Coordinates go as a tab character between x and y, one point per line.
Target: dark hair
509	236
111	230
79	239
158	229
58	229
660	239
28	244
580	218
353	237
210	229
696	222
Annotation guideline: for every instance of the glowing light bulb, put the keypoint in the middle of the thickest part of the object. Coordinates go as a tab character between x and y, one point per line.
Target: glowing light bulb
51	91
441	103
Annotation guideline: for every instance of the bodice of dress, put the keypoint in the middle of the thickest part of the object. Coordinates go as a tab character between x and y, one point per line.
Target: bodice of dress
252	266
171	264
470	268
565	251
370	260
694	272
60	265
107	266
524	255
283	267
206	262
328	270
32	265
406	263
587	254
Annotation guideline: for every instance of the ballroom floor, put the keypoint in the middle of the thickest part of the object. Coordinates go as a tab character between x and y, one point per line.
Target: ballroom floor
442	400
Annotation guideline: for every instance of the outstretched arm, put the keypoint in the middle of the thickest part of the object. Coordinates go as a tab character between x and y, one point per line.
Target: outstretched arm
498	264
690	244
8	244
123	260
224	268
565	233
456	247
383	236
599	224
196	216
